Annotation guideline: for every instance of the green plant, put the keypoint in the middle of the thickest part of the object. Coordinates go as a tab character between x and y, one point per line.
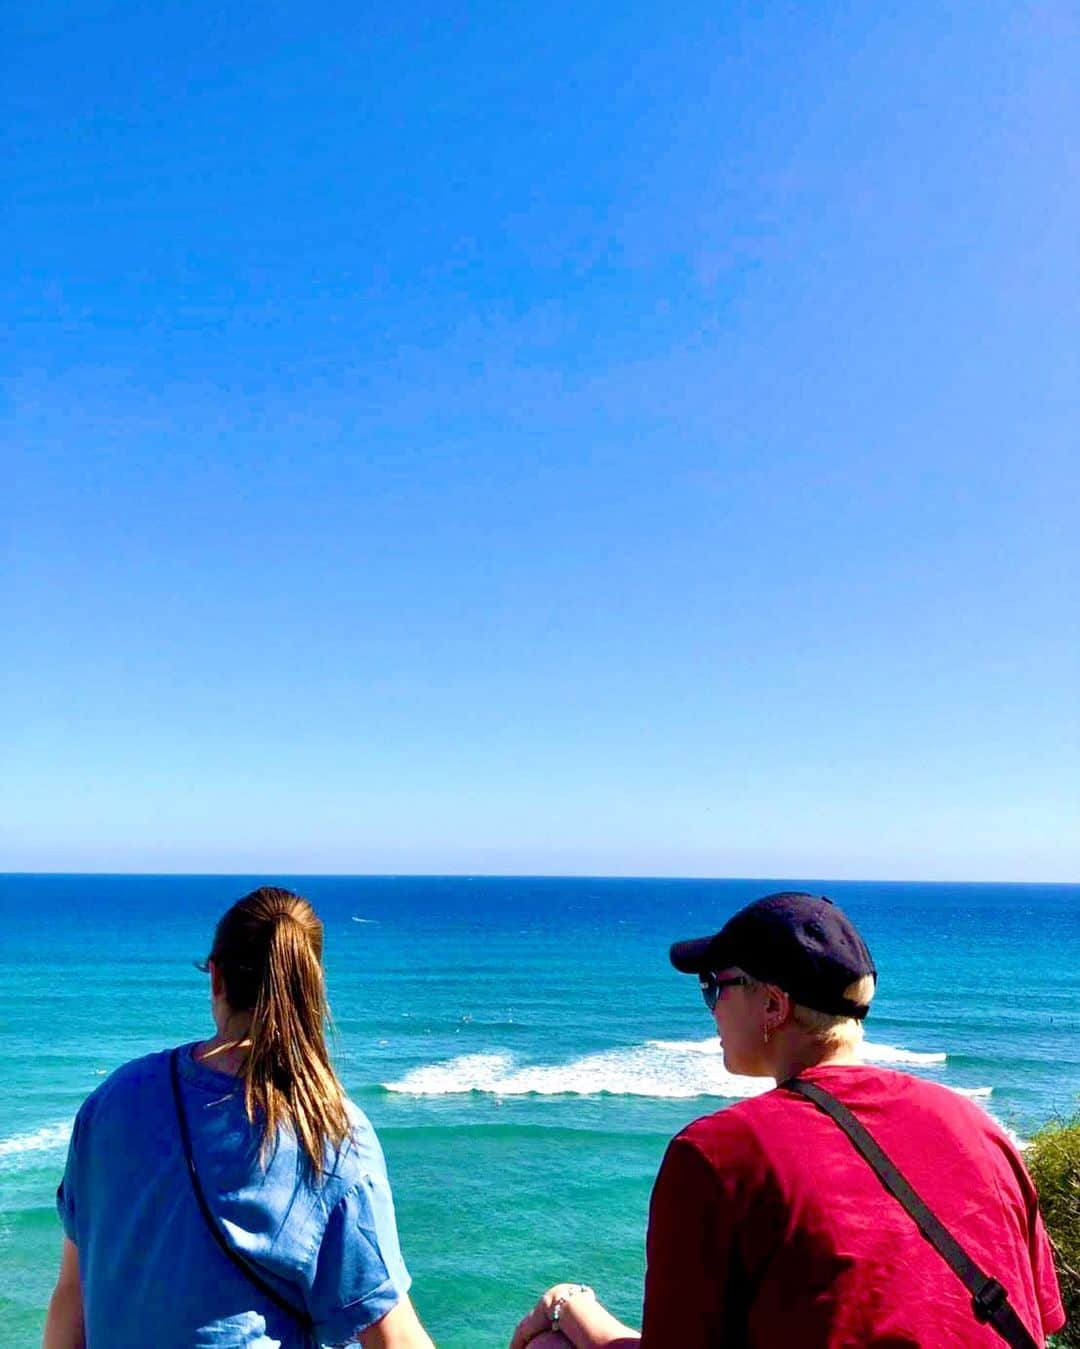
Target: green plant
1053	1158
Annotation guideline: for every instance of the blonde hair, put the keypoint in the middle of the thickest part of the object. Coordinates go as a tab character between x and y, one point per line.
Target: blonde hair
836	1032
829	1031
268	949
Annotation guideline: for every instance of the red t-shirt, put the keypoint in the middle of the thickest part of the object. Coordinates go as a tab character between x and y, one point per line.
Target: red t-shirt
767	1229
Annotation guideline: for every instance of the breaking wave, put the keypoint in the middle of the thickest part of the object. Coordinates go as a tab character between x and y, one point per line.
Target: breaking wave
650	1069
873	1053
658	1068
50	1138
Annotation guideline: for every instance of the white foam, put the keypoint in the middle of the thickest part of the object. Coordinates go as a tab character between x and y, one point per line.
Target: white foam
357	919
1021	1144
657	1068
710	1046
874	1053
976	1093
51	1137
868	1052
663	1069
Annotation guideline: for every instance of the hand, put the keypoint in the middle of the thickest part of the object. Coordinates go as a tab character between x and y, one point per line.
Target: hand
539	1319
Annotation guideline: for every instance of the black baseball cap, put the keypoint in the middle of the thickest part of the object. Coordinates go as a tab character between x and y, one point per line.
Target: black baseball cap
801	943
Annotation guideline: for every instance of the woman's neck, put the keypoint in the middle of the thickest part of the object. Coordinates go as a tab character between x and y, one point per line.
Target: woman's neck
226	1052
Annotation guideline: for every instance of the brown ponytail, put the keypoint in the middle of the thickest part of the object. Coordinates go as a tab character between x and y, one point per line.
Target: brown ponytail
268	949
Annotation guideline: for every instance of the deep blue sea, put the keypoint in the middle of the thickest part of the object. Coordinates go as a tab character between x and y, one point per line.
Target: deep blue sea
522	1046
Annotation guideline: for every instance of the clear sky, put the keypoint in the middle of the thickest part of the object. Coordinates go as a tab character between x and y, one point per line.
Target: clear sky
627	439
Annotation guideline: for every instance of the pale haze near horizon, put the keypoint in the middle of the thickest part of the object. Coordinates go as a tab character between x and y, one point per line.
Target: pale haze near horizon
543	442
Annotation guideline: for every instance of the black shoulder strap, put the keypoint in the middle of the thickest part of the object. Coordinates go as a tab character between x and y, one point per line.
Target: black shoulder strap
245	1266
989	1300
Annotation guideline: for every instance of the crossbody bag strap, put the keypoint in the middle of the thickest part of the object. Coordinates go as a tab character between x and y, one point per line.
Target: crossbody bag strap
245	1266
989	1300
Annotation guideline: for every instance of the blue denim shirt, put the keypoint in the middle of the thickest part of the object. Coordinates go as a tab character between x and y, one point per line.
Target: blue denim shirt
151	1271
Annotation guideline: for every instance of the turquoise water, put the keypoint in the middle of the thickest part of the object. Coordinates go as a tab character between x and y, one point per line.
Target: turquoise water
522	1046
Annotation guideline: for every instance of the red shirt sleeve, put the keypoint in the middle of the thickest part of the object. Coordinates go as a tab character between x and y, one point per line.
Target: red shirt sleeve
1041	1254
687	1254
1046	1283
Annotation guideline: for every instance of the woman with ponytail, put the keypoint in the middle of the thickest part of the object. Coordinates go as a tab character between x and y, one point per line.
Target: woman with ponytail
226	1193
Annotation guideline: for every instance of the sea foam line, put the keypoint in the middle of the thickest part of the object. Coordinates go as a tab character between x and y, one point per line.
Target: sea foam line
49	1138
868	1052
664	1069
875	1053
642	1070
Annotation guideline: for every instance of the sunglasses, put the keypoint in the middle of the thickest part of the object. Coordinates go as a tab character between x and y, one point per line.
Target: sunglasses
712	987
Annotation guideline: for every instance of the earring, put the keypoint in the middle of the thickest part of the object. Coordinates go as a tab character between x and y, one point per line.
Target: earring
767	1032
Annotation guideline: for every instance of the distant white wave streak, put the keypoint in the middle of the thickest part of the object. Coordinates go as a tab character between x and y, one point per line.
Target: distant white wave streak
657	1068
872	1053
652	1069
50	1138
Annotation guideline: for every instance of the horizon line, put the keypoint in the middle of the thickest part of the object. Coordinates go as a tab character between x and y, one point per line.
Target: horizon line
527	875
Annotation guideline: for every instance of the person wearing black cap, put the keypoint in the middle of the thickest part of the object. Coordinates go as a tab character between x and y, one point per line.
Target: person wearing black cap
775	1222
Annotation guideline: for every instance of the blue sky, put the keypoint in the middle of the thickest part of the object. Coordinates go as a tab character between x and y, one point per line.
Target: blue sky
626	440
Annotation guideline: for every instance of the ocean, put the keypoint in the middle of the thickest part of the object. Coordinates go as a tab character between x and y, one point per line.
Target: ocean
521	1045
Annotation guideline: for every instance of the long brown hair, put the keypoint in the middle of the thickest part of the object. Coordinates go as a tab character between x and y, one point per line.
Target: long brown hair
268	950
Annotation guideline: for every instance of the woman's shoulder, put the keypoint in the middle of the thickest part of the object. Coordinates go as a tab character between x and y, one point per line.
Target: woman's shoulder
360	1155
127	1086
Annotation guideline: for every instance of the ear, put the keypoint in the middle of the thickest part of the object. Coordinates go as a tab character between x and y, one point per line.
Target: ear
777	1007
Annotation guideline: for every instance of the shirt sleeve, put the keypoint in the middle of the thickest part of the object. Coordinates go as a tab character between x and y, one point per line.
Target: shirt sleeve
68	1187
359	1275
1047	1290
1040	1252
688	1254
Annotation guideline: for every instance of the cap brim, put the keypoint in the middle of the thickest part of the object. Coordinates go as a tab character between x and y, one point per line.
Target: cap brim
691	957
